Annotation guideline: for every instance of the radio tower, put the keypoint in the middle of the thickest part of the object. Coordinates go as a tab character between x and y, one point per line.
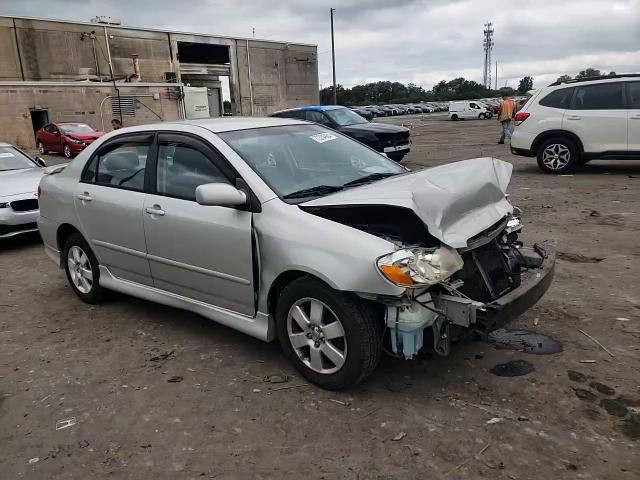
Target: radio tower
488	47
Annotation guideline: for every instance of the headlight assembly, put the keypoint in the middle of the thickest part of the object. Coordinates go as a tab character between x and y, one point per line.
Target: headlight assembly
419	267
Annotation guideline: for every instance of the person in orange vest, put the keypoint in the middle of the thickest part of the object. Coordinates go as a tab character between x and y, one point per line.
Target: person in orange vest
506	112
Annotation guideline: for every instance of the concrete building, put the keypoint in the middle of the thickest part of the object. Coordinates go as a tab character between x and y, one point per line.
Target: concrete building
56	70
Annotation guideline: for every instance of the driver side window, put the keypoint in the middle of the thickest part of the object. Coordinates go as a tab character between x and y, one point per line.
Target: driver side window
182	168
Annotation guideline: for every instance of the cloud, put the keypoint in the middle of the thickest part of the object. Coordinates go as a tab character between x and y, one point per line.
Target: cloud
420	41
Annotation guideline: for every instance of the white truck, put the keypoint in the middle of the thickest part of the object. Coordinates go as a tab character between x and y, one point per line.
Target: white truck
463	109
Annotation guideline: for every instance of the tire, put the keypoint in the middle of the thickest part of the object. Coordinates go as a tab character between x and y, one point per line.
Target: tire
41	148
482	116
558	155
357	335
77	258
454	117
396	157
66	151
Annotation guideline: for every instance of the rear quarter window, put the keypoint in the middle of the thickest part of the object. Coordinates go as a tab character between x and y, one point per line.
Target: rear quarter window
560	98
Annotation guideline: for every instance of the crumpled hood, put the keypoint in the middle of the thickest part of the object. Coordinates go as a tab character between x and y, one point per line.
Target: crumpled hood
14	182
455	201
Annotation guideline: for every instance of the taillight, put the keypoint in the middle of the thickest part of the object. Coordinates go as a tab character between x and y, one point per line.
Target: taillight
520	117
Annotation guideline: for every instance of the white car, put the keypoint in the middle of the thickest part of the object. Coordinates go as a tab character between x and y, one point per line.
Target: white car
466	109
19	178
567	124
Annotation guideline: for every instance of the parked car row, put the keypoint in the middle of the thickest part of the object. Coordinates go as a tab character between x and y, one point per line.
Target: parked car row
397	109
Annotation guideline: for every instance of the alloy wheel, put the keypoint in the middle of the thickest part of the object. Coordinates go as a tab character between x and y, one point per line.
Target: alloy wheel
41	148
67	151
80	269
317	335
556	156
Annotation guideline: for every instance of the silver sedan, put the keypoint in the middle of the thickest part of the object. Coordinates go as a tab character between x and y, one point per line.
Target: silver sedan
287	230
19	178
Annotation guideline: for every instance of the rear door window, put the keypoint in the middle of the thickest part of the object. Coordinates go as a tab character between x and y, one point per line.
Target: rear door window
634	95
560	98
604	96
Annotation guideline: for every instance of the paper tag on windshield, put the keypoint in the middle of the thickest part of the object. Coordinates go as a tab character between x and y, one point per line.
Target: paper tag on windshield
323	137
6	154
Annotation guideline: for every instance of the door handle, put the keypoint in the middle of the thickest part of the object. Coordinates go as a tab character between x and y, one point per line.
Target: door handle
85	197
635	117
155	210
574	117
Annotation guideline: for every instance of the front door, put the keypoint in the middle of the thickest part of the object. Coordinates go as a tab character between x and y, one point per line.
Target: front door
200	252
598	117
633	119
109	200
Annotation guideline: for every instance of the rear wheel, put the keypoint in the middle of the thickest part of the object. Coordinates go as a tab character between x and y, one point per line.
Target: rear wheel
454	117
41	149
558	155
334	339
82	269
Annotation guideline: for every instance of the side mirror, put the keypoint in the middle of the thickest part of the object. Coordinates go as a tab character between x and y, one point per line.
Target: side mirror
220	194
40	161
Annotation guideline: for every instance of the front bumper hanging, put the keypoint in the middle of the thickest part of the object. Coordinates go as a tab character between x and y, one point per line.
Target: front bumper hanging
486	317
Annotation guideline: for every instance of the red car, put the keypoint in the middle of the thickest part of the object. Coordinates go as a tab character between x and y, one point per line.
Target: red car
68	138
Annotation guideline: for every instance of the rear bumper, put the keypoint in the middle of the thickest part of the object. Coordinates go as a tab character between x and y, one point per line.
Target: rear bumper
523	152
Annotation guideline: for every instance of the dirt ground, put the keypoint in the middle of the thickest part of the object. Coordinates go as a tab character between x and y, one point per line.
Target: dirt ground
85	392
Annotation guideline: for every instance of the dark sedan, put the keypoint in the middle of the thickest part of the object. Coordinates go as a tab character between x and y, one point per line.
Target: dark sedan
391	140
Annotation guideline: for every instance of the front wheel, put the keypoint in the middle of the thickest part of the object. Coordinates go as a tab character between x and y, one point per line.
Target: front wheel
482	116
82	269
454	117
334	339
66	150
558	155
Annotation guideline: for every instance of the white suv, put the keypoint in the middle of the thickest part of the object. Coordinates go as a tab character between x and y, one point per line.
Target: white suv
567	124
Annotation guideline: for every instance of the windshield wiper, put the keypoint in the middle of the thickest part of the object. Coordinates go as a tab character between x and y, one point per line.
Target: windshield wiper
369	178
314	191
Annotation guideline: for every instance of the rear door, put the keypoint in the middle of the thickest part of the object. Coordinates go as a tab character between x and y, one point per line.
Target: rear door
109	200
598	116
633	119
200	252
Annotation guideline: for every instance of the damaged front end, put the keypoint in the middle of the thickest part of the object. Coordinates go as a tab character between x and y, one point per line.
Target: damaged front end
498	281
457	253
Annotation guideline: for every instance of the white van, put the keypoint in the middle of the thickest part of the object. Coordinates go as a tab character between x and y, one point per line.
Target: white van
468	109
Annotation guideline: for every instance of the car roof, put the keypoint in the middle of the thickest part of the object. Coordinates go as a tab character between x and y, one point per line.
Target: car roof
3	144
228	124
315	108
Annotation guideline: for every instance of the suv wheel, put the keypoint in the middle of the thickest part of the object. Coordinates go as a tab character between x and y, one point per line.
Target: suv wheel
454	117
81	267
557	155
334	339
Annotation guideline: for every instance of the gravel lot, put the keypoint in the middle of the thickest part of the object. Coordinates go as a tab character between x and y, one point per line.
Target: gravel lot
85	391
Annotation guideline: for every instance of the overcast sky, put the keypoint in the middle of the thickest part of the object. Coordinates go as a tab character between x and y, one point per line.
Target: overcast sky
419	41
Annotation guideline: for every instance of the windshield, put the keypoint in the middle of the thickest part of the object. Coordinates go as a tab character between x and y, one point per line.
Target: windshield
77	128
12	159
302	161
344	117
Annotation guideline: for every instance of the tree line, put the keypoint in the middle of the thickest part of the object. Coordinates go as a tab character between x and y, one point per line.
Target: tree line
385	92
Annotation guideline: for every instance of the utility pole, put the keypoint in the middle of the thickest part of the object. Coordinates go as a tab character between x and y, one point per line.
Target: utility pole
496	75
333	60
254	32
